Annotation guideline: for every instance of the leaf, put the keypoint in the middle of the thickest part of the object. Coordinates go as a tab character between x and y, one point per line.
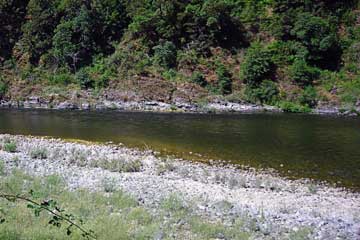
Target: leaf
37	212
31	192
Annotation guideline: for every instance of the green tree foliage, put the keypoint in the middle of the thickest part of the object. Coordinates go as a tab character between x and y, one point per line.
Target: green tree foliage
110	21
257	65
199	24
101	43
199	79
42	18
309	97
3	88
12	16
303	74
165	55
316	34
224	80
73	40
267	93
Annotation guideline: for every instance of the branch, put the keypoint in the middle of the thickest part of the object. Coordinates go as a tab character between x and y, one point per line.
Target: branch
10	197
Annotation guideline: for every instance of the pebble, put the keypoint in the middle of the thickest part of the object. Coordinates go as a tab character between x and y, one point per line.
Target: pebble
280	211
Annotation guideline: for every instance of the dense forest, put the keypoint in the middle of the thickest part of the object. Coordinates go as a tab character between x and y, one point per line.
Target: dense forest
295	54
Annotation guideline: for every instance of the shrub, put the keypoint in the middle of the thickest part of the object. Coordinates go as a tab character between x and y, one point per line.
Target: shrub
109	184
224	80
165	54
84	79
257	65
10	147
100	73
174	203
319	38
293	107
2	167
3	88
303	74
352	58
267	93
309	97
39	153
286	52
62	77
198	78
170	74
350	91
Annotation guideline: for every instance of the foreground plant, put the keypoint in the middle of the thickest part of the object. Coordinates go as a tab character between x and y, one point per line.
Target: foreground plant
59	216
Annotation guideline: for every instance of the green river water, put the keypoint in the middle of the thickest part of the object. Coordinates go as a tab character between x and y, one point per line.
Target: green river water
297	146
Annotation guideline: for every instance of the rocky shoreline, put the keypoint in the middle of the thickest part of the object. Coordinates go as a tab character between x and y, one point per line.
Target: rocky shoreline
276	206
154	106
218	106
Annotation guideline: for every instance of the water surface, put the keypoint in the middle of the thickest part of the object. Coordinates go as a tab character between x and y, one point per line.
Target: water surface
318	147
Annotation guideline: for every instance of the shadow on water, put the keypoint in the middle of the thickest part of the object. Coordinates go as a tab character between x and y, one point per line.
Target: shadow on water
318	147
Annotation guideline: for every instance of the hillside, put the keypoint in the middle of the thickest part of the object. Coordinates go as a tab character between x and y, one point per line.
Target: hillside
296	55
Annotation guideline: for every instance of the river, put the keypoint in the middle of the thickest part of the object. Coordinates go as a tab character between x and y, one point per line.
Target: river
297	146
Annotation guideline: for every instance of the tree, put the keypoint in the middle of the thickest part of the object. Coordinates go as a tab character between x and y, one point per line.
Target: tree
110	21
12	16
42	18
318	37
257	65
73	42
302	73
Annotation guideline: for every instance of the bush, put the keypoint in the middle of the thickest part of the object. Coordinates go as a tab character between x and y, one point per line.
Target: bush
318	36
3	88
2	167
309	97
62	77
350	91
170	74
10	147
286	52
198	78
352	58
224	80
165	55
100	73
303	74
257	65
39	153
293	107
267	93
84	79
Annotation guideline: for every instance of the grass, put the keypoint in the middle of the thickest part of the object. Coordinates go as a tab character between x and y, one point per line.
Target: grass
10	146
39	153
312	188
164	167
2	167
80	158
114	215
118	165
109	184
303	233
292	107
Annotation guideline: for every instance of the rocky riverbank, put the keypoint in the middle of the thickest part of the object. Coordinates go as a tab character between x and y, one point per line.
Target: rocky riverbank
155	106
219	106
273	207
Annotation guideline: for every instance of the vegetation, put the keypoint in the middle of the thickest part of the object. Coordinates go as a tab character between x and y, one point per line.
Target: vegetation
46	210
10	146
267	49
39	153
